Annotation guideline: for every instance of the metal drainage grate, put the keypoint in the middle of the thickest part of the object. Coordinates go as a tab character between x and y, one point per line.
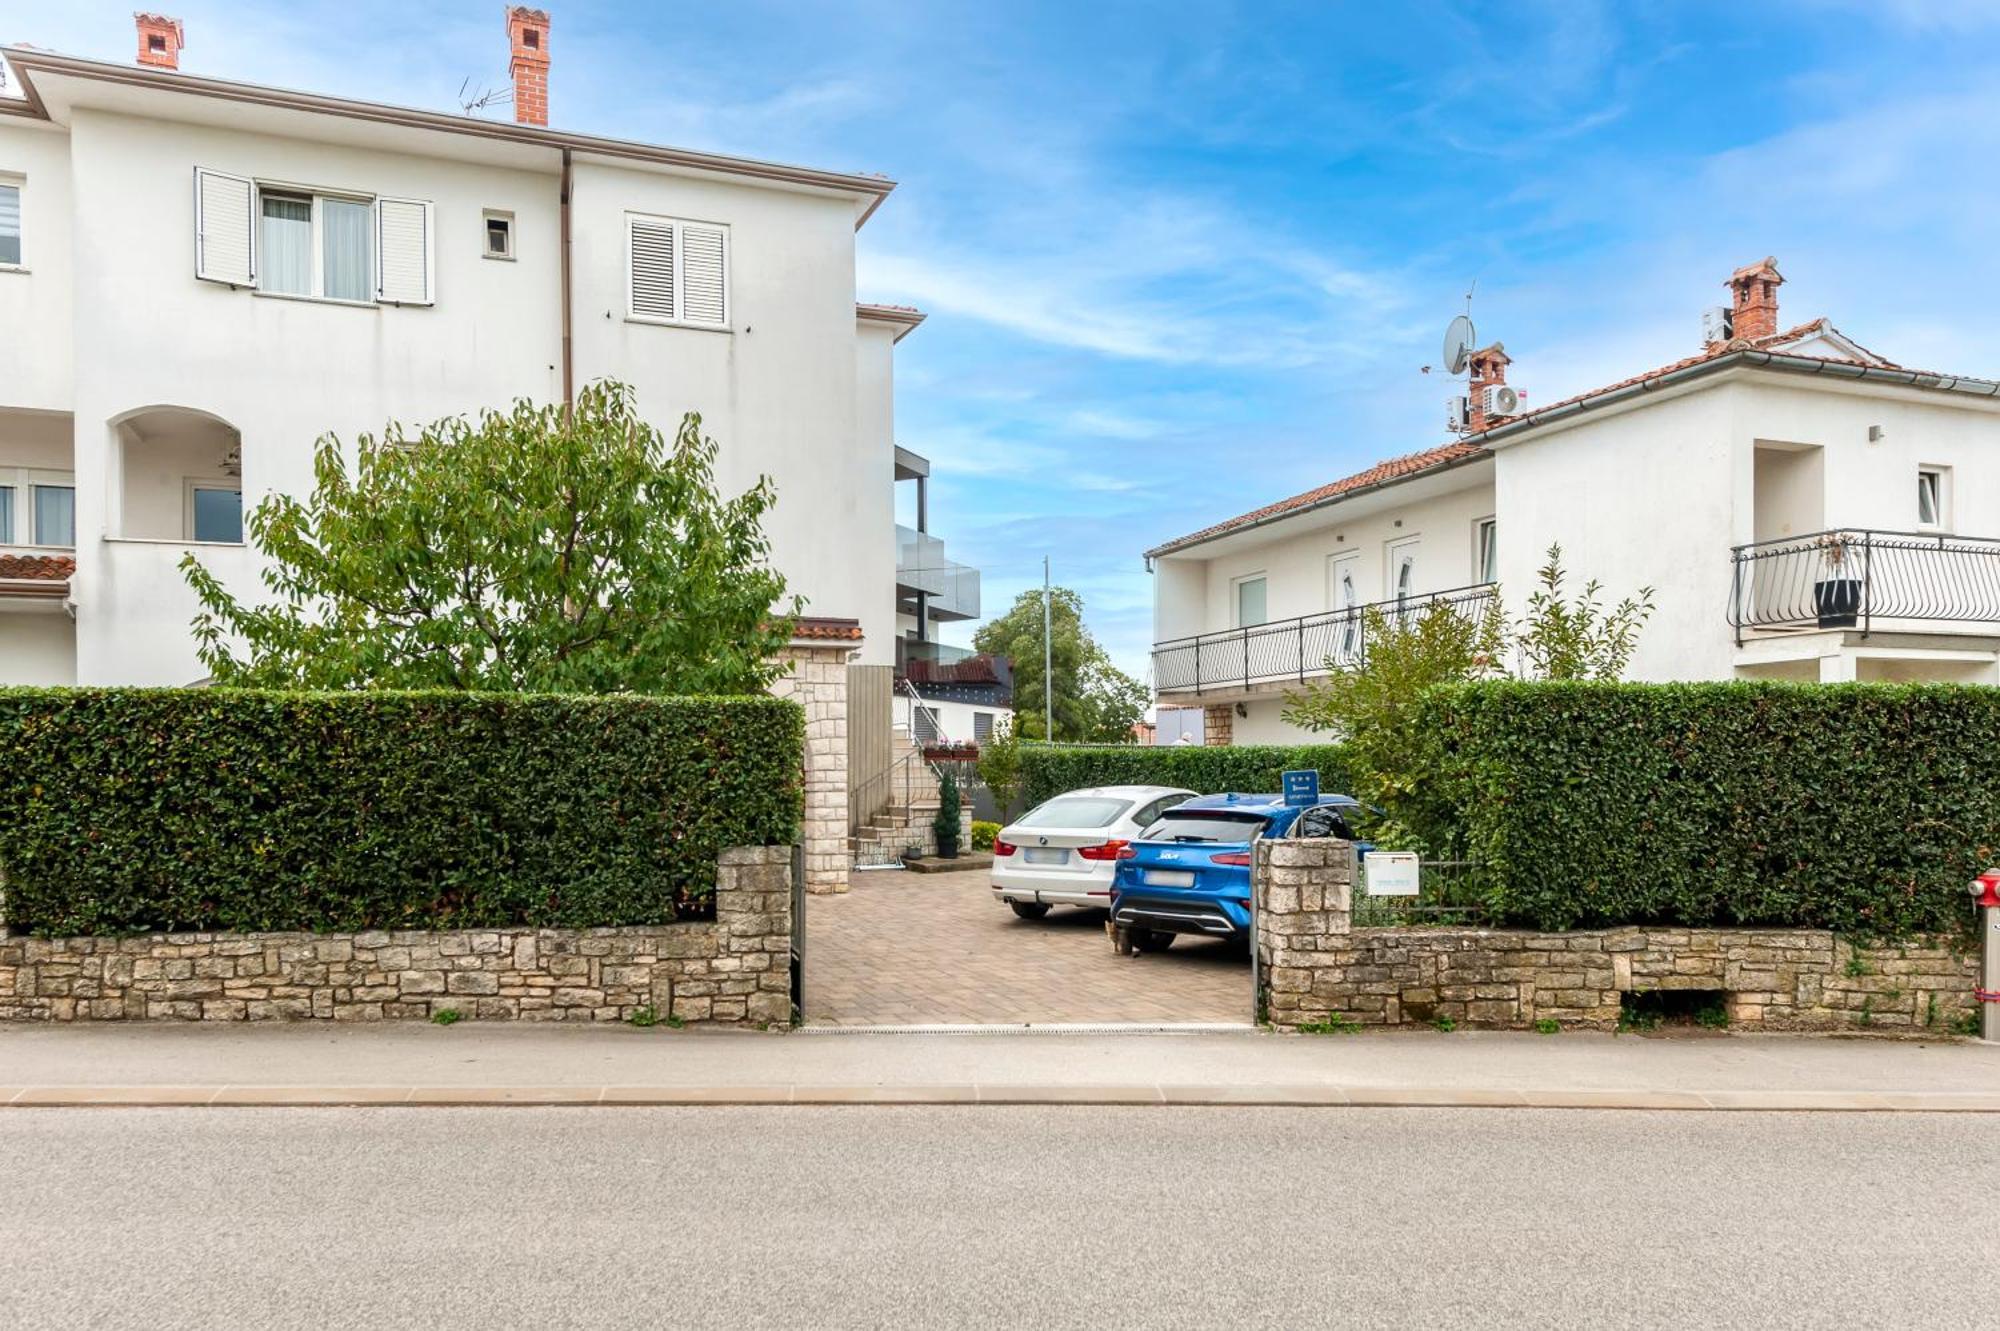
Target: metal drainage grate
1045	1028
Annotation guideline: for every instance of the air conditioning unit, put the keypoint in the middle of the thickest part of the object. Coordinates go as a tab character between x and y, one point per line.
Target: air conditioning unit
1716	325
1457	414
1499	400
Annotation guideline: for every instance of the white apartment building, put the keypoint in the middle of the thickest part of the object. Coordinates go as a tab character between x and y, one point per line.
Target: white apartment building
199	278
1804	508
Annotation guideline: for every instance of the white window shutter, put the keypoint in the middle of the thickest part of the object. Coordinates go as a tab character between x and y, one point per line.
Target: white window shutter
651	268
225	228
704	274
403	251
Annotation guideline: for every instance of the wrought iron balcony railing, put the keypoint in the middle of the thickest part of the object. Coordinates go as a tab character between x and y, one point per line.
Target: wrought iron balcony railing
1855	578
1289	649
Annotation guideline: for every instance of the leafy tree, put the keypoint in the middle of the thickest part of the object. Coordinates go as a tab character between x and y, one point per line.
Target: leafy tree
538	550
1561	640
1095	702
1373	706
1000	766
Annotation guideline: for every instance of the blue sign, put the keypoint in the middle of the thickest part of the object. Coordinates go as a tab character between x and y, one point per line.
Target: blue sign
1302	788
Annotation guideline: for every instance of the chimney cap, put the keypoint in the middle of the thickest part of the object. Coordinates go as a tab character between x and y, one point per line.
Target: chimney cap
1766	270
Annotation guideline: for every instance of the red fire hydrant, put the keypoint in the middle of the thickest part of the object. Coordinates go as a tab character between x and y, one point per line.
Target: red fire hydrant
1986	895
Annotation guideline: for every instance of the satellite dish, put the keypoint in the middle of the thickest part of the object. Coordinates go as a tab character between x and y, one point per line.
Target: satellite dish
1458	345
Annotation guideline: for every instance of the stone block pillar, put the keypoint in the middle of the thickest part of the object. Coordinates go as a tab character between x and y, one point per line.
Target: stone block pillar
818	683
753	920
1305	895
1218	725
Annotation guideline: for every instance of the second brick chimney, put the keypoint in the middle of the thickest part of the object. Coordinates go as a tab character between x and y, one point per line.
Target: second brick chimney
160	40
1488	366
1753	293
528	35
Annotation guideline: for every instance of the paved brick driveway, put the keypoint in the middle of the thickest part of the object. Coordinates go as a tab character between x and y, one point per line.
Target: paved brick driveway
905	949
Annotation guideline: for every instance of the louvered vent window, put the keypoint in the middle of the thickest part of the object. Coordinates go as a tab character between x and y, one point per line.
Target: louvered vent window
678	271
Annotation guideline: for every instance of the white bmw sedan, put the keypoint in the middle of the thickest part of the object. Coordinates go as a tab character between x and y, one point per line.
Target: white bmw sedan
1065	851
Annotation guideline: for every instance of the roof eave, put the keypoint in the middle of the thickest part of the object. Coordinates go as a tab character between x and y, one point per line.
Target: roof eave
868	191
1190	542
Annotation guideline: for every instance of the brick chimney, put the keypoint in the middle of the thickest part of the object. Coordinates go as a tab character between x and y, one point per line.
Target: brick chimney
1753	293
160	40
1488	366
528	34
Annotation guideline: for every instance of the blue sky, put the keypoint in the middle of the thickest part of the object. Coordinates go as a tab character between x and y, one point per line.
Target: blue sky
1185	259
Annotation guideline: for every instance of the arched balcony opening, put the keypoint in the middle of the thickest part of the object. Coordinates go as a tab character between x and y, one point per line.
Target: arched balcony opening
178	476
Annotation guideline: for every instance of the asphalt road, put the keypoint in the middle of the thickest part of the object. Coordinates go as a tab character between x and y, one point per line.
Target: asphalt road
962	1217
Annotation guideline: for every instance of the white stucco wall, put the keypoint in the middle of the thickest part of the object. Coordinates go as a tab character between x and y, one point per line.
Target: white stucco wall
110	235
37	646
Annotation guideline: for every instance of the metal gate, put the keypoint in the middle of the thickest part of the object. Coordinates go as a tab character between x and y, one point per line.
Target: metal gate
798	934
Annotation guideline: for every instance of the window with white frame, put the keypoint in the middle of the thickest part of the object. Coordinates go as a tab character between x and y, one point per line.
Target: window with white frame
37	507
287	240
10	221
499	234
214	510
677	272
1933	496
1250	602
1486	550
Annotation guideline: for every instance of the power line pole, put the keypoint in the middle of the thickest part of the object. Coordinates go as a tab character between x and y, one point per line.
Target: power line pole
1048	657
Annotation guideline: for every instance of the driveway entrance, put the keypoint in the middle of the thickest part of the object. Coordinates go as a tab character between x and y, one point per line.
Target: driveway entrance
902	949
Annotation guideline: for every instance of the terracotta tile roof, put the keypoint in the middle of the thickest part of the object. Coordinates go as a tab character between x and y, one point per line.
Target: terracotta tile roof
1382	473
36	568
820	628
1416	464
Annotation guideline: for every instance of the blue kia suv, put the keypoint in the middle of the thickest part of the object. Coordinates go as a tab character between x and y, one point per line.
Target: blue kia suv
1189	873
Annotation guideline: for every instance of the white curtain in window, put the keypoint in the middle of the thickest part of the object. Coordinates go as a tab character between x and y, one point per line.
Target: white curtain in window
55	515
284	259
6	515
10	224
347	237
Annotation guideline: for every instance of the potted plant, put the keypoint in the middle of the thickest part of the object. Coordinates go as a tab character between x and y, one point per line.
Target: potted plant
1837	596
946	824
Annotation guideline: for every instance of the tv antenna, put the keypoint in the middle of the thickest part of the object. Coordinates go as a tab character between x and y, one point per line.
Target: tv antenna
472	103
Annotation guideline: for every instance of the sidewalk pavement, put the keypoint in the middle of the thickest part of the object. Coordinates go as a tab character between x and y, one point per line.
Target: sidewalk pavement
152	1064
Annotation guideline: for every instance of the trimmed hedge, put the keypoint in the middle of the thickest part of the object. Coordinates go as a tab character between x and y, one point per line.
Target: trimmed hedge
1861	808
1047	770
128	810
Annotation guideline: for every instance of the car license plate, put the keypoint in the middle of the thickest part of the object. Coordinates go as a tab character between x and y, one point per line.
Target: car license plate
1170	877
1039	856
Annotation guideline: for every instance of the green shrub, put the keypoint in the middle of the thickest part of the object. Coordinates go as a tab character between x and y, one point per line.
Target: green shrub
945	825
984	834
1050	769
125	810
1860	808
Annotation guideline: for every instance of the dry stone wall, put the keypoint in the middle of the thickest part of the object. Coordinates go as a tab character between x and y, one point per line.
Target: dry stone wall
1318	969
735	969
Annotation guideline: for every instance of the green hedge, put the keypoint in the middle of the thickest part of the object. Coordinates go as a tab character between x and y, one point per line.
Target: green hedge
1048	770
126	810
1861	808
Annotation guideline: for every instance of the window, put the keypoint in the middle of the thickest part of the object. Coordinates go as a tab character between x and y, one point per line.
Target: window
1932	496
982	725
677	272
1206	825
311	245
10	223
1076	811
289	241
1486	550
1250	602
1400	566
37	507
499	235
215	511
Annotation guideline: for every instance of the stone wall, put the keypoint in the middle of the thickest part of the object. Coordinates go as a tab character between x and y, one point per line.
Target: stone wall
734	969
818	683
1218	725
1316	967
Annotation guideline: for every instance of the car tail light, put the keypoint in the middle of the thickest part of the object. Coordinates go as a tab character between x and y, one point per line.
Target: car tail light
1128	851
1110	850
1236	857
1003	848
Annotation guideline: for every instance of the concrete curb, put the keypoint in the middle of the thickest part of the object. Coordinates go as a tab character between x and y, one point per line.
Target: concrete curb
1287	1096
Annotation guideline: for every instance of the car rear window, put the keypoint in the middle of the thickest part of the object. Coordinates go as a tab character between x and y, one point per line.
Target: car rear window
1076	811
1205	825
